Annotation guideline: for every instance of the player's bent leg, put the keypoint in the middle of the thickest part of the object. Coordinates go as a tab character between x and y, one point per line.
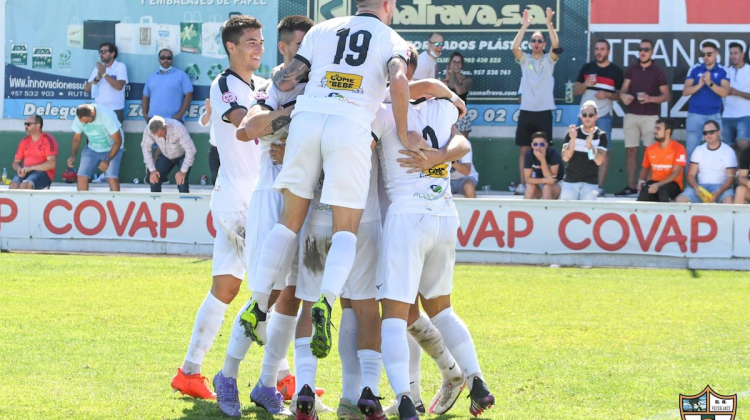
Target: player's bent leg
396	356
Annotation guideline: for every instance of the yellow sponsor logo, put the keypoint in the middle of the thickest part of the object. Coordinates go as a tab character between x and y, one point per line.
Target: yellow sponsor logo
437	171
343	81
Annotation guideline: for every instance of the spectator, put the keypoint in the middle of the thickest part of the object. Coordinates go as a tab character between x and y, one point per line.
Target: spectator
176	148
736	118
537	101
427	67
583	150
707	83
108	80
666	159
712	167
213	154
460	84
102	129
644	88
543	169
600	81
170	89
742	194
464	176
35	158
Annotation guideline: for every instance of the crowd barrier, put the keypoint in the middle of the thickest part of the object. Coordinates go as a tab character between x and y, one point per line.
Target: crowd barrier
625	234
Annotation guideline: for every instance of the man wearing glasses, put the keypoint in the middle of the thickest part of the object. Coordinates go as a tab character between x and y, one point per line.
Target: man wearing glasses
108	79
35	158
167	92
707	82
713	166
427	67
584	150
644	88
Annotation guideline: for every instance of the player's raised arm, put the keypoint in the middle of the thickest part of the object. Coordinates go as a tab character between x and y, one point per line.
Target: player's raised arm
288	78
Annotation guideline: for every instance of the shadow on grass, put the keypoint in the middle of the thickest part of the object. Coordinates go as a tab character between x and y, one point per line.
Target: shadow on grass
203	409
200	261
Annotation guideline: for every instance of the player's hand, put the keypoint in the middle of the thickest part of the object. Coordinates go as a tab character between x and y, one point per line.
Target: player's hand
550	14
70	162
461	105
277	153
526	19
179	177
103	165
154	177
208	106
417	144
627	99
416	163
572	132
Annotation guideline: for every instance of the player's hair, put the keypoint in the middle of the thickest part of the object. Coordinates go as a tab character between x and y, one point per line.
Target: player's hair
710	44
412	56
650	42
715	124
235	26
457	54
668	124
84	110
540	135
290	24
156	123
736	45
604	41
591	104
112	47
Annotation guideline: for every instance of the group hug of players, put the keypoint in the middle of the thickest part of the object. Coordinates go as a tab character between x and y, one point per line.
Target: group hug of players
334	186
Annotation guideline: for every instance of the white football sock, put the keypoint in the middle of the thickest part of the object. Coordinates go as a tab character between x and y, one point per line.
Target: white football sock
275	257
284	369
305	363
396	354
415	367
237	347
339	263
431	341
208	321
280	332
351	379
459	342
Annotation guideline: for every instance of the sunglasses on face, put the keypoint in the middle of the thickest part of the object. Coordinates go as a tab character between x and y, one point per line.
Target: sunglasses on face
438	44
707	54
164	57
585	115
537	41
707	132
538	144
103	51
28	124
646	49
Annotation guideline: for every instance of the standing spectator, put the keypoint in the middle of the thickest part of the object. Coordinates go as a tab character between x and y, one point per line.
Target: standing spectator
644	88
102	129
461	85
168	91
736	118
176	148
213	153
712	168
707	83
742	194
583	150
666	159
537	101
464	176
543	169
427	67
600	81
107	81
35	158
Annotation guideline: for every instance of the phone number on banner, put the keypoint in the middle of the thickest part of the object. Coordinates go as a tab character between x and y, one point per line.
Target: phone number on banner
507	115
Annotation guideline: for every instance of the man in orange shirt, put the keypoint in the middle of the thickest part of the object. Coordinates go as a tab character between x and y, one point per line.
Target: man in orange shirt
38	151
666	159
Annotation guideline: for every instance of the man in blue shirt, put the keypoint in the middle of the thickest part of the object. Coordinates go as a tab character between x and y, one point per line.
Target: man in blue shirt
168	91
707	82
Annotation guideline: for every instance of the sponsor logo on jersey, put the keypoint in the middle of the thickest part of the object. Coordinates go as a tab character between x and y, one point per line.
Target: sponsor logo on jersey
437	171
343	81
261	95
436	188
229	97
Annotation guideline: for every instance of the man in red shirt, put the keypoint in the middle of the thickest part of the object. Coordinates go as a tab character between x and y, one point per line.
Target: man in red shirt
666	159
34	162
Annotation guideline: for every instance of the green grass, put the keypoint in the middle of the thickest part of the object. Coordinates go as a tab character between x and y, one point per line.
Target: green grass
101	337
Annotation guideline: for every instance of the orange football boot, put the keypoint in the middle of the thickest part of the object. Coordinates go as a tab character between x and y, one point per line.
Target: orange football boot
195	385
288	384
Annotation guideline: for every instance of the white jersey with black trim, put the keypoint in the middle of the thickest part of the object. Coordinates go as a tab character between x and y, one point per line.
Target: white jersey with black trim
348	58
425	192
239	160
273	99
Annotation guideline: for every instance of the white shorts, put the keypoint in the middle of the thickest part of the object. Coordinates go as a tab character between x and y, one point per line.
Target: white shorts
417	256
227	258
263	213
315	243
338	146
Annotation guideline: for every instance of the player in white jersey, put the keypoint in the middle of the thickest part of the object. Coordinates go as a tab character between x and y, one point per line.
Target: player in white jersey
230	96
421	261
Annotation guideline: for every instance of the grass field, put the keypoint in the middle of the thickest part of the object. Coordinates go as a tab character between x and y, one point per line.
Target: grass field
101	336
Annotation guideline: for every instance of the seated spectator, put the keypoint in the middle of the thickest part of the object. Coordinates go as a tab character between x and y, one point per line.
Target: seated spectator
175	147
464	176
35	158
543	169
742	193
712	169
584	150
104	148
666	159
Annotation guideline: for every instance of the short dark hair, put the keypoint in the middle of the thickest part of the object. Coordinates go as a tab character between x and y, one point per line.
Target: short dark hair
38	119
165	49
716	124
736	45
290	24
435	33
710	45
540	135
457	54
84	110
649	41
112	47
668	124
412	56
604	41
235	26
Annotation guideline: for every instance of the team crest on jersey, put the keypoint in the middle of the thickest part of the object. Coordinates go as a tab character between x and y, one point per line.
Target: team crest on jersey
229	97
342	81
708	405
437	171
261	95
